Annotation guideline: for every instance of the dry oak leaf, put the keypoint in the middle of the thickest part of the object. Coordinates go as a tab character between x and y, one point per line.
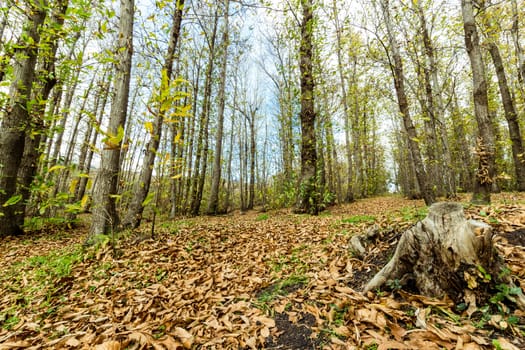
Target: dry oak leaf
72	342
506	345
185	337
109	345
392	344
469	346
14	345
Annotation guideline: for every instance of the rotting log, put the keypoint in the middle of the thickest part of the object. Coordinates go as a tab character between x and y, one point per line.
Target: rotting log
446	254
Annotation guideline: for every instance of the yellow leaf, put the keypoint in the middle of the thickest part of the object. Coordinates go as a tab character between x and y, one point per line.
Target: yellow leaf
84	201
177	137
56	167
73	185
149	127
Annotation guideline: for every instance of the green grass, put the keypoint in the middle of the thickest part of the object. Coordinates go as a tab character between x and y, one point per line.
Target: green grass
174	227
8	319
281	287
292	263
413	214
37	277
358	219
56	264
262	217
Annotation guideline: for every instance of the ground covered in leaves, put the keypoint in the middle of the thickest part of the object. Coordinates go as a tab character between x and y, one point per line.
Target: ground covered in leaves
271	280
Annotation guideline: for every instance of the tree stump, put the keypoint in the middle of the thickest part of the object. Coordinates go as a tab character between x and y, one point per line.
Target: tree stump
444	254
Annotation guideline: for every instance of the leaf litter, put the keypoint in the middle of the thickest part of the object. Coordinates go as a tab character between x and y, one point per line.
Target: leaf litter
241	282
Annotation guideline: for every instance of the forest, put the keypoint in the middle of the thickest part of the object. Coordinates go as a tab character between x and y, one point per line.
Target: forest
186	162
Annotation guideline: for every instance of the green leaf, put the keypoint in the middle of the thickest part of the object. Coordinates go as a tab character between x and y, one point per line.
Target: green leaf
13	200
148	199
515	291
113	141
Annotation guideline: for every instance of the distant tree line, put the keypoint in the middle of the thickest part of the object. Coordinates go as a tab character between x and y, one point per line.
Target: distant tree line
205	107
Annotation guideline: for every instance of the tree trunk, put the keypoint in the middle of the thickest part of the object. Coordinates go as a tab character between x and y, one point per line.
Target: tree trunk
3	24
213	203
17	119
485	145
253	156
126	163
346	108
41	90
105	216
442	255
399	81
429	122
64	180
6	57
192	121
518	153
436	108
178	135
201	157
517	46
66	107
243	163
227	205
308	201
134	214
105	89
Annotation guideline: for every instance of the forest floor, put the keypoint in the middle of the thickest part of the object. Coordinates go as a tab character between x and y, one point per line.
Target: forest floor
273	280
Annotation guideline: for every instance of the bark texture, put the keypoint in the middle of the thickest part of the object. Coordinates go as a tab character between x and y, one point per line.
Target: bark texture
17	118
105	217
485	147
402	99
346	108
441	254
201	156
136	208
213	204
308	201
518	152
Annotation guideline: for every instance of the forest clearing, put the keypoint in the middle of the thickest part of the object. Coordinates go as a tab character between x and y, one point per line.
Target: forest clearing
249	174
273	280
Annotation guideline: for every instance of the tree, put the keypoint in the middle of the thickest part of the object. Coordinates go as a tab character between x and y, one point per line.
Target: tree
105	217
17	119
346	109
511	115
201	159
46	80
399	81
213	204
485	144
309	198
519	50
134	215
509	106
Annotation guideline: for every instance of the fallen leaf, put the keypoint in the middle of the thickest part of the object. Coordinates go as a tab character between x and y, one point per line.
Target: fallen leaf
109	345
185	337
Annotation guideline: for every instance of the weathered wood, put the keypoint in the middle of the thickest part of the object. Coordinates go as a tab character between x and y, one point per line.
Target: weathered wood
439	253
